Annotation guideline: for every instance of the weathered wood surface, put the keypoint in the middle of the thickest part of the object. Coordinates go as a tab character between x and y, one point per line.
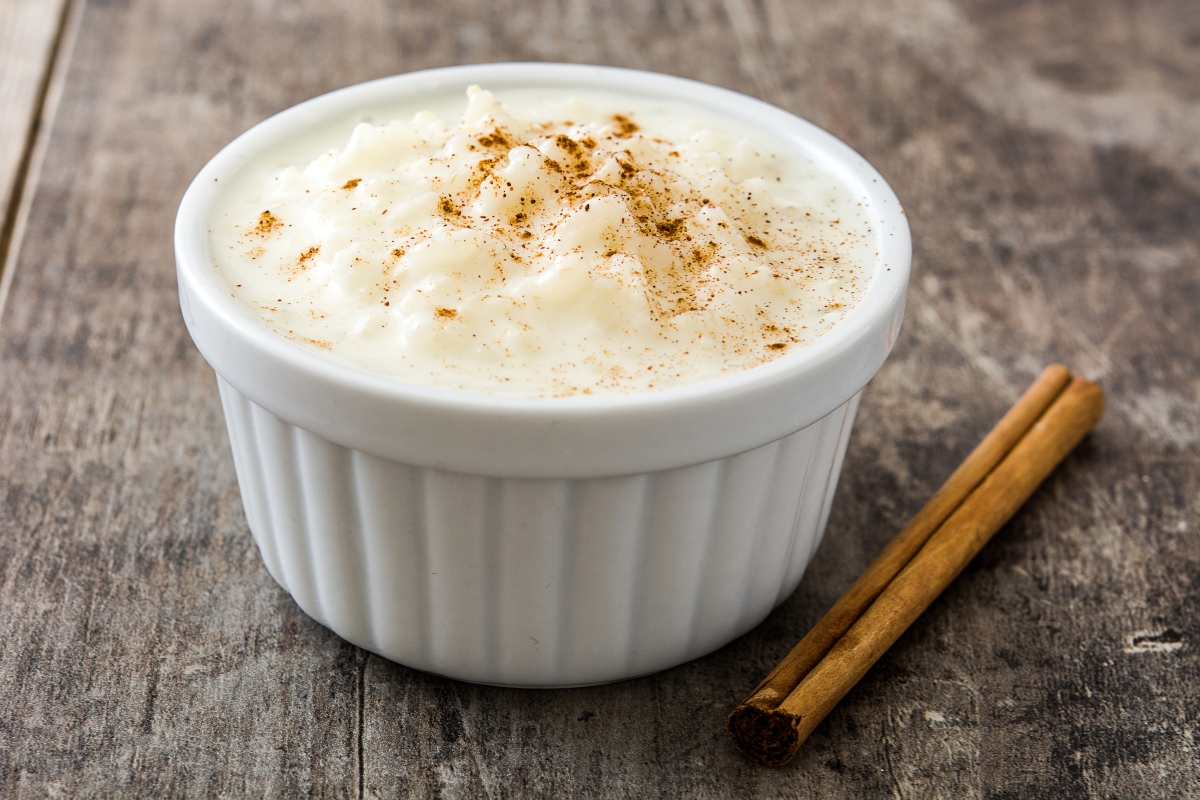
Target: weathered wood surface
29	30
1049	158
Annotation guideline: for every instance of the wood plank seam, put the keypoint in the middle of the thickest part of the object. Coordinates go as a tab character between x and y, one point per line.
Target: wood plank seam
40	125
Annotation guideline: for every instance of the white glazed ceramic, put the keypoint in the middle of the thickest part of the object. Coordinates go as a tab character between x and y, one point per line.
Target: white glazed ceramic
527	542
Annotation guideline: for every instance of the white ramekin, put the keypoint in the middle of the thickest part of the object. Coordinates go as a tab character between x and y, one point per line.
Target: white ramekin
535	542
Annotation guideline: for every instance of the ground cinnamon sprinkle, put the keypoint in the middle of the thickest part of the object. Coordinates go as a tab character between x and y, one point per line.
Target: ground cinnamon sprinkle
267	224
500	221
496	138
625	126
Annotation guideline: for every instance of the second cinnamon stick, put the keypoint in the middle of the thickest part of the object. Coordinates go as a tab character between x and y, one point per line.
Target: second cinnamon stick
751	725
770	732
946	553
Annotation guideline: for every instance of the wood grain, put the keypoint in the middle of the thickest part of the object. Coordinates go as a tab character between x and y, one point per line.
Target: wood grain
1048	160
29	33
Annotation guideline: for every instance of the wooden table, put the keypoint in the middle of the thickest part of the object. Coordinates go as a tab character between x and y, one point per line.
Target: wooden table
1049	158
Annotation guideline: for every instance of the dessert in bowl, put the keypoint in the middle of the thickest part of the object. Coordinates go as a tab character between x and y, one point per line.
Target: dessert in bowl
555	392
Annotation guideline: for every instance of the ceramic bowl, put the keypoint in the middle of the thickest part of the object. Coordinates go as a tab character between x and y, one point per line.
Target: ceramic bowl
535	542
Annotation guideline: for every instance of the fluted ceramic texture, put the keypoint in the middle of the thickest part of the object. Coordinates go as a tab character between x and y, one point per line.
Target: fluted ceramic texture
532	582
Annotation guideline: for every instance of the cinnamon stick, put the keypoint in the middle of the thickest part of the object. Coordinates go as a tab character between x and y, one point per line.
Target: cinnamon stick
751	725
1003	471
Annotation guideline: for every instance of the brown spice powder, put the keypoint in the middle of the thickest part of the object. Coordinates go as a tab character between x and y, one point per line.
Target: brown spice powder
267	224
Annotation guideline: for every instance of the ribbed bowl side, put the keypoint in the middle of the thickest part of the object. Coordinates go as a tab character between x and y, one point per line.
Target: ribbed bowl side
534	582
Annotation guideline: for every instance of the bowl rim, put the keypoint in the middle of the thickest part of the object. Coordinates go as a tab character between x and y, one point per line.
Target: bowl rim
206	301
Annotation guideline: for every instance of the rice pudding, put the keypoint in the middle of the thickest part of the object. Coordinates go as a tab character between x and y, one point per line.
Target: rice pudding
547	243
